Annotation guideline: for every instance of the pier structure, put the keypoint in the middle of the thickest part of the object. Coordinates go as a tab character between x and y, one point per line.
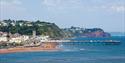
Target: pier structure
106	42
81	41
39	41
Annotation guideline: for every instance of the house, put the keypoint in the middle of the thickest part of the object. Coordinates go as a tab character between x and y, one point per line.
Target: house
18	39
3	39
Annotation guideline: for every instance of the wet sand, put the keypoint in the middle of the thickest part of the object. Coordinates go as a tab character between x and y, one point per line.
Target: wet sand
26	49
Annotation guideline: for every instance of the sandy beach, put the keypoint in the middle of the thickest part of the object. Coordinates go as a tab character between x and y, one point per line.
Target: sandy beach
26	49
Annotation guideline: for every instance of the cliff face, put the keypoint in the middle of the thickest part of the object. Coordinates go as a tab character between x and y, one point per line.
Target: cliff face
93	32
97	34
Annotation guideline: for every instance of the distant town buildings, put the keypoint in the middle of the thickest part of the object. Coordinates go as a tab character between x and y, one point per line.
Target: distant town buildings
14	23
26	39
17	38
3	37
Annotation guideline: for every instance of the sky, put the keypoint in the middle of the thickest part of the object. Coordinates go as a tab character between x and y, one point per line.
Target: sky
106	14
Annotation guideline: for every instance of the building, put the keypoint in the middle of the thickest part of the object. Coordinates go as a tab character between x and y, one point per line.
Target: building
3	39
18	39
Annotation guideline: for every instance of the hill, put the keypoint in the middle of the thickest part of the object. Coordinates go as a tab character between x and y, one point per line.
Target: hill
86	32
26	27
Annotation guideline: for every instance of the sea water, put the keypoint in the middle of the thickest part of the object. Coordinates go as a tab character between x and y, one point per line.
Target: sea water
73	53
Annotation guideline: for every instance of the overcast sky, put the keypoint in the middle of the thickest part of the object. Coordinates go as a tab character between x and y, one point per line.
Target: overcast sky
105	14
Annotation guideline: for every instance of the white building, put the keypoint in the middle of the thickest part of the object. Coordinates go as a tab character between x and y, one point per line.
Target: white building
21	24
18	39
43	38
4	24
13	24
3	34
3	39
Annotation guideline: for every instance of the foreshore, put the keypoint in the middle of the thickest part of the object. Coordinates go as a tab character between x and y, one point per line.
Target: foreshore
26	49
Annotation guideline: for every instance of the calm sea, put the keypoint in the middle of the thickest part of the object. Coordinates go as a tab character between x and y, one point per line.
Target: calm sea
74	53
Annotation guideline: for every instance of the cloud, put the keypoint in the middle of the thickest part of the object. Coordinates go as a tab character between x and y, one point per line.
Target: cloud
61	4
17	2
91	5
51	2
11	8
109	8
11	5
118	8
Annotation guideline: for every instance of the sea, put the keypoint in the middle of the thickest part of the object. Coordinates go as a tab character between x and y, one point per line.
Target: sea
74	53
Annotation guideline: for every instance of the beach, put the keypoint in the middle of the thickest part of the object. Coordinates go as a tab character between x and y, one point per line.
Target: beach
26	49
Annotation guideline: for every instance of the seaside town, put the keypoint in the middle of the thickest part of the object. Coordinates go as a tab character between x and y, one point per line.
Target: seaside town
17	39
23	35
62	31
21	43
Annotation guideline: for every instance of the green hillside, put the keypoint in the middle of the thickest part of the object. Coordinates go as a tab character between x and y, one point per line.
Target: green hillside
26	27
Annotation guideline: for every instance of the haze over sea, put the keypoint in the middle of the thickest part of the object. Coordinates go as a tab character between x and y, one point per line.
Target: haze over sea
73	53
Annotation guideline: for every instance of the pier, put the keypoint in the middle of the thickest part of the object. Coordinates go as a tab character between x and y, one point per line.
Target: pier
104	42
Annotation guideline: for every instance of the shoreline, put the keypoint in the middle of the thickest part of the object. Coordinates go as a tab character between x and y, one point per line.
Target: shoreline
26	49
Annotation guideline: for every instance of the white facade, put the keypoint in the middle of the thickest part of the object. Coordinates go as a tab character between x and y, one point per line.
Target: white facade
18	39
3	39
21	24
13	24
4	24
43	38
